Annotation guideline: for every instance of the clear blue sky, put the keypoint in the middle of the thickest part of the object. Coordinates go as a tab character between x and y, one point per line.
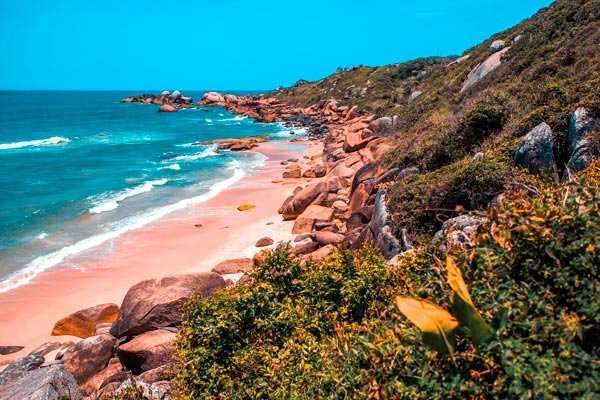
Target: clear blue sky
230	44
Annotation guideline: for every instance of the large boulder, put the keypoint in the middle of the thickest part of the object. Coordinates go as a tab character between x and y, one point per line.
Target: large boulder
83	322
497	45
306	221
90	356
311	194
147	351
383	126
378	231
323	238
212	97
535	153
113	372
49	383
156	303
167	108
234	266
355	141
583	143
479	72
20	368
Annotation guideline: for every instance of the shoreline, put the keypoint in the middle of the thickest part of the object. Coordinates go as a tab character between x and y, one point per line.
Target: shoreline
165	247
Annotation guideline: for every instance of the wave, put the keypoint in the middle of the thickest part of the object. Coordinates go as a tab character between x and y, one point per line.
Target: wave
44	262
288	132
212	150
53	141
236	118
174	167
112	202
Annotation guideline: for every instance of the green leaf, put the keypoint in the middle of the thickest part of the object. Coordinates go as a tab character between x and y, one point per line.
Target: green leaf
462	306
437	325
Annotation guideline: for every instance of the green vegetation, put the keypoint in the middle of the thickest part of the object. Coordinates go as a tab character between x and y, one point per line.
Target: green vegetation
332	330
516	315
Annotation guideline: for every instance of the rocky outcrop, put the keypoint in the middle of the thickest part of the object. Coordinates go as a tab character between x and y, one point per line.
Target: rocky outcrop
147	351
236	144
582	141
83	322
313	214
497	45
481	70
174	99
156	303
48	383
90	356
536	151
167	108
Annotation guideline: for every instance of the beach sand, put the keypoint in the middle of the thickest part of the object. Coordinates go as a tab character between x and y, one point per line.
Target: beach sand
171	246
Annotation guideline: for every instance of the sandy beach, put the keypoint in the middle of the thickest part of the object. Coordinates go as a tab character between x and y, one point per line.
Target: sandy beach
170	246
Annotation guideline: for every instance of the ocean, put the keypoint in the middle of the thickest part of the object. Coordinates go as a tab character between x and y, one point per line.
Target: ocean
79	169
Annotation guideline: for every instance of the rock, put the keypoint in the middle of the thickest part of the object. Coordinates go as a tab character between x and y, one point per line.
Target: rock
315	194
50	383
535	153
265	241
461	231
582	140
20	368
319	170
378	231
246	207
212	97
340	205
158	374
167	108
83	322
260	257
413	96
368	172
46	348
314	213
305	248
383	126
323	238
357	140
320	254
497	45
156	303
580	124
147	351
292	174
154	391
112	373
233	266
360	196
90	356
4	350
479	72
360	217
351	237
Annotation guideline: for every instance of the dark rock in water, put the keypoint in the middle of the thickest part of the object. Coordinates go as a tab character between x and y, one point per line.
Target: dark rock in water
535	153
4	350
50	383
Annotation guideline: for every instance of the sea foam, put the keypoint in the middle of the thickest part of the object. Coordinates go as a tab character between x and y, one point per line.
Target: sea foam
53	141
47	261
111	202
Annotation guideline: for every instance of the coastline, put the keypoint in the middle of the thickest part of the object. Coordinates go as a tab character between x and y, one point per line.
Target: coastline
169	246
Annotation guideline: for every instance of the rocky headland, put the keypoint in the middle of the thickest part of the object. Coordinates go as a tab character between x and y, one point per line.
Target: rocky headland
169	102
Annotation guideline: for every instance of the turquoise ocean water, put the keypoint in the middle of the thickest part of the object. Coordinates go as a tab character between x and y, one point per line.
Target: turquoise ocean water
78	169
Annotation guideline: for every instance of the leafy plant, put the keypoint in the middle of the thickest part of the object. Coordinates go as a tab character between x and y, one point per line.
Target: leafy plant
438	326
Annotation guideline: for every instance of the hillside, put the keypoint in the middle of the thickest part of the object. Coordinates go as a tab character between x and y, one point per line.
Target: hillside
504	302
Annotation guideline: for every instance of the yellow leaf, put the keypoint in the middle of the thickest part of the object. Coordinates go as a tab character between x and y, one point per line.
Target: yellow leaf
246	207
437	325
456	281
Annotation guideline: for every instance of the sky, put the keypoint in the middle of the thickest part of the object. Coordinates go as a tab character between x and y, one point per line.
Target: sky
230	44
